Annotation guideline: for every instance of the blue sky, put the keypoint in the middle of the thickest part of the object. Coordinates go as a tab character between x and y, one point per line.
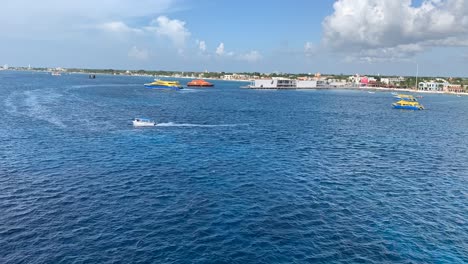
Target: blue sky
386	37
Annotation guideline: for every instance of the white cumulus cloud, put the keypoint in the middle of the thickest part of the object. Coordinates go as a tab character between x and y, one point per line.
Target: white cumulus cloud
52	15
251	56
309	49
201	45
395	28
173	29
118	27
220	49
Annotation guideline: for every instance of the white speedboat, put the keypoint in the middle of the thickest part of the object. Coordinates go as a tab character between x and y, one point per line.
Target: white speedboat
143	122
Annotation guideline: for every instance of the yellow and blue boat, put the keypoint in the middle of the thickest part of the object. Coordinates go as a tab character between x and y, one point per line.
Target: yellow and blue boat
160	84
407	105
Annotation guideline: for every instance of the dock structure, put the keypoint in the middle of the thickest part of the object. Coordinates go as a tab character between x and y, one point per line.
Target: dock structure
285	84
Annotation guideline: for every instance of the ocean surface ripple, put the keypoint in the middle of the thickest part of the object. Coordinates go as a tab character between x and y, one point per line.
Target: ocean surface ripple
228	176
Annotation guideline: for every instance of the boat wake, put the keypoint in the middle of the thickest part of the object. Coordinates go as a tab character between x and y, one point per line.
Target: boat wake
102	85
34	104
45	105
172	124
190	90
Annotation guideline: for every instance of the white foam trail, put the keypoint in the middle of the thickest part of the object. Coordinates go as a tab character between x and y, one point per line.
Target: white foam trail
189	90
172	124
102	85
41	104
35	102
10	105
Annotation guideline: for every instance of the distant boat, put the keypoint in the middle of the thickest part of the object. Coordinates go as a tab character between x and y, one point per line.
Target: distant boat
56	73
407	105
405	97
371	92
160	84
200	83
143	122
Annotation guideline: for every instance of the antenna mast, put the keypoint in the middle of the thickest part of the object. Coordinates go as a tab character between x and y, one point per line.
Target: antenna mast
417	72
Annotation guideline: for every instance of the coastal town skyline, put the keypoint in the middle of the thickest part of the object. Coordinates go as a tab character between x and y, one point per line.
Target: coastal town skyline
346	36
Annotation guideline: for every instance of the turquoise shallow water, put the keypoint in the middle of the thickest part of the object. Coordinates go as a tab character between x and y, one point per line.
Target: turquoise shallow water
228	176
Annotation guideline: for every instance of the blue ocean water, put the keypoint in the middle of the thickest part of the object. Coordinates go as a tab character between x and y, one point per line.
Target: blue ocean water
228	176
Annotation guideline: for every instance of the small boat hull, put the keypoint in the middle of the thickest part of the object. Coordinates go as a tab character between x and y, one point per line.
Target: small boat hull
150	86
199	83
408	107
143	123
194	85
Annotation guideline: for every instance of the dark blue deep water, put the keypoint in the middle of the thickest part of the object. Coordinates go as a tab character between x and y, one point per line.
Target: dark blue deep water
229	176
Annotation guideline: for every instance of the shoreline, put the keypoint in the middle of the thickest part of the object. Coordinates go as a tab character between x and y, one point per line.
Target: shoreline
382	89
379	89
405	90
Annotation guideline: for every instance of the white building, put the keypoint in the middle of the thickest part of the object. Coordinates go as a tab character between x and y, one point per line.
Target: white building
355	79
307	84
236	77
392	80
274	83
432	86
280	83
337	83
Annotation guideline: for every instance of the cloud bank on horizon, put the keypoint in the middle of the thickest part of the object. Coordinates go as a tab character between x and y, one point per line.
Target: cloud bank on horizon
355	34
387	29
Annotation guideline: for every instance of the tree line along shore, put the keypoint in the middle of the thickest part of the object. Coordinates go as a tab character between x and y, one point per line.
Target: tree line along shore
405	82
